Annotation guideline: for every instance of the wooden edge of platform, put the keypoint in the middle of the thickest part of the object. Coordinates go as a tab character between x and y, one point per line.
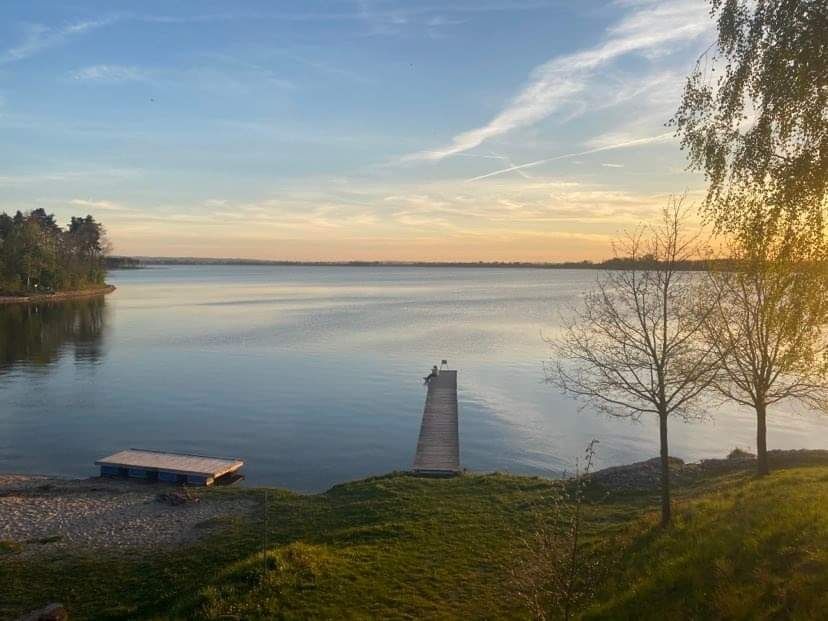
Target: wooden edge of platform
229	466
213	474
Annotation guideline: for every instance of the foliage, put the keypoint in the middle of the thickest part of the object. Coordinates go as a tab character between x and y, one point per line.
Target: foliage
36	255
633	347
551	572
753	110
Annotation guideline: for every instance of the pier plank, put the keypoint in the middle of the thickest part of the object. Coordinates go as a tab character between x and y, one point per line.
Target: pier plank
438	447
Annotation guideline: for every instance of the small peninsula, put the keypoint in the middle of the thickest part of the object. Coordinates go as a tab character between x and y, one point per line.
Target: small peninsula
42	261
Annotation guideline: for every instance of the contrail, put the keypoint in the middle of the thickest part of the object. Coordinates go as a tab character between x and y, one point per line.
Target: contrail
629	143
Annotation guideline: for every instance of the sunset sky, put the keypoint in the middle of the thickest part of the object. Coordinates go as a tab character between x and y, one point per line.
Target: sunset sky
487	130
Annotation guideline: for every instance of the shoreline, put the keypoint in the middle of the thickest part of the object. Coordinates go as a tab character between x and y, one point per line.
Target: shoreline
643	474
44	513
145	262
60	296
437	548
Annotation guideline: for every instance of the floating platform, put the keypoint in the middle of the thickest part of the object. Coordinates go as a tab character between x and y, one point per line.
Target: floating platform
167	467
438	448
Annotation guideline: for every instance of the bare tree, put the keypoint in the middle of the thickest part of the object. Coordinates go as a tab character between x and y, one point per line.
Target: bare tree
766	316
633	348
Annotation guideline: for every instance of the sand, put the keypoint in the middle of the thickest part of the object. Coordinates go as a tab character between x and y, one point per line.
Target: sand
45	514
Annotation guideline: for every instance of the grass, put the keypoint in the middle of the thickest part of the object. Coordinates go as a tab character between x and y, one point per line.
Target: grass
405	547
755	549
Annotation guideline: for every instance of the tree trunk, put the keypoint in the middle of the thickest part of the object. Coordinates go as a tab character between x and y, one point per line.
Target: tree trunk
762	440
666	512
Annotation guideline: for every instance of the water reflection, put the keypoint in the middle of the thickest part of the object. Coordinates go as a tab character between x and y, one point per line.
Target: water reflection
39	334
313	376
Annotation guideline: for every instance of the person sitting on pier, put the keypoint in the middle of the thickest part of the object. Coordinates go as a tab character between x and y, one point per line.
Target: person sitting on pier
434	372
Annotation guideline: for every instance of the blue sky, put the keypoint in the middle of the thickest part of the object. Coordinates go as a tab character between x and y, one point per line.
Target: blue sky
493	130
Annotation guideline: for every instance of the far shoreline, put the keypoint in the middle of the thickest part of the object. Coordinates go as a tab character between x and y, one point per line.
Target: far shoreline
60	296
142	262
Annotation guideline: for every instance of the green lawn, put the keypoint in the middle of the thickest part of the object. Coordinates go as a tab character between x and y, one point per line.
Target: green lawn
751	549
405	547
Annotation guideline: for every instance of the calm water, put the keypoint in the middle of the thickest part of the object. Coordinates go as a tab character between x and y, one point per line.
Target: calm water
313	375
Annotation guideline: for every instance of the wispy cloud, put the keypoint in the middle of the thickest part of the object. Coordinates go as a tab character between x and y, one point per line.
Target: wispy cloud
39	37
109	74
105	205
647	29
433	20
227	74
245	16
70	176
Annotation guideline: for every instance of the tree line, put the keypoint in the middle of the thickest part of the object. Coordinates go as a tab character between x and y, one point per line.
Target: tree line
655	340
38	255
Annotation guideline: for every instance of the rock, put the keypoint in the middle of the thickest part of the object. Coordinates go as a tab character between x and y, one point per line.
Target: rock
642	475
740	455
52	612
178	497
646	475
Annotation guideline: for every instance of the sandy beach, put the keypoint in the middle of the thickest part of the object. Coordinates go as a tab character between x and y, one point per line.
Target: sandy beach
46	514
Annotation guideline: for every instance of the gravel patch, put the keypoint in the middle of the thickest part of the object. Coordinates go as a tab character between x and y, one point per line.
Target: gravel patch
39	514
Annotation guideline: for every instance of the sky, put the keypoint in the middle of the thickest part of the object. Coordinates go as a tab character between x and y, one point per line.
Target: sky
492	130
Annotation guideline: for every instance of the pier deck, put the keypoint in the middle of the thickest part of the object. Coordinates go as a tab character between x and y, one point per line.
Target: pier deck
438	448
168	467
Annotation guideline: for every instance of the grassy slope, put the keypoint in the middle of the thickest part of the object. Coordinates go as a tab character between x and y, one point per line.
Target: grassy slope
751	549
399	546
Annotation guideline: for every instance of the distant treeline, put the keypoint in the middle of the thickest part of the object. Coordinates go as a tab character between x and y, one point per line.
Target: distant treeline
137	262
38	255
123	263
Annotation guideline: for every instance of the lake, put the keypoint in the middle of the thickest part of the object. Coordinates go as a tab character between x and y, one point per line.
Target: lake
313	375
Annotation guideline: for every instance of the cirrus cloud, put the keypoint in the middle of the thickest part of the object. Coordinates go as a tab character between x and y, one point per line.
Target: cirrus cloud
648	30
110	74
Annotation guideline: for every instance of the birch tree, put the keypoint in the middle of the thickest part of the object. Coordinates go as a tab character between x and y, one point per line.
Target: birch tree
754	109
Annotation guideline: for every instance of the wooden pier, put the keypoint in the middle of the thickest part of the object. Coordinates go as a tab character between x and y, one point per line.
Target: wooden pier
438	448
167	467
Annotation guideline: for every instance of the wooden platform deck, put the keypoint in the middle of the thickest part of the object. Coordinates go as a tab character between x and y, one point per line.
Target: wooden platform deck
167	467
438	448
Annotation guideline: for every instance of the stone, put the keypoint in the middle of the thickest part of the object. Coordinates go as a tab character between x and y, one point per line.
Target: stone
176	498
52	612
